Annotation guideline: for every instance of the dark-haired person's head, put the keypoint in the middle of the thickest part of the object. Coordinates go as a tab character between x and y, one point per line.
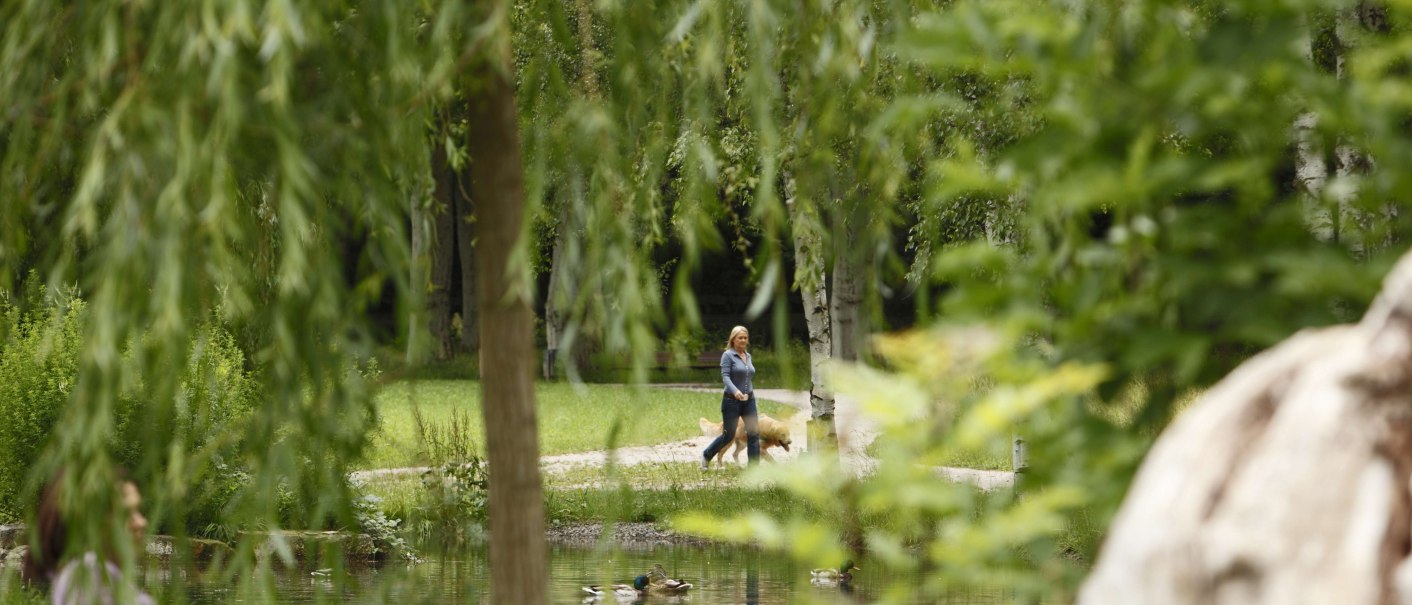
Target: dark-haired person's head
50	544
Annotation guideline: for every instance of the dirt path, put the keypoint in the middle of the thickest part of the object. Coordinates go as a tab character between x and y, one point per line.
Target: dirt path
858	431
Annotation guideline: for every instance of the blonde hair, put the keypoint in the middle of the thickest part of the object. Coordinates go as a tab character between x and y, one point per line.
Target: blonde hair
730	342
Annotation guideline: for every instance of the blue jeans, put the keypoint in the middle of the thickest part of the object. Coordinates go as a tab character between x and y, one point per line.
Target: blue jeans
733	410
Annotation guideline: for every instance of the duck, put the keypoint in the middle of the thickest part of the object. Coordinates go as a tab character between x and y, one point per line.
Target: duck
832	577
623	591
661	583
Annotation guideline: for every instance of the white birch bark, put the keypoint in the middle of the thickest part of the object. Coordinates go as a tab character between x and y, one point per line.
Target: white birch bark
811	279
1330	211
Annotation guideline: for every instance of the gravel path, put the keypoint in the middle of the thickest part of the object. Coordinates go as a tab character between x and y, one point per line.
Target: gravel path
859	432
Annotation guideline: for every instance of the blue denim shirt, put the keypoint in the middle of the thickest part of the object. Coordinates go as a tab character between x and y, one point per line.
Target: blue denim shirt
737	372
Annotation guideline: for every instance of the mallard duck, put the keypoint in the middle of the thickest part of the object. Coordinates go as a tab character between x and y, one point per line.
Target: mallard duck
622	591
661	583
832	577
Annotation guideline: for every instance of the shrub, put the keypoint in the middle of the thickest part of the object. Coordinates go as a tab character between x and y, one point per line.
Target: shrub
38	368
458	484
39	363
371	519
217	395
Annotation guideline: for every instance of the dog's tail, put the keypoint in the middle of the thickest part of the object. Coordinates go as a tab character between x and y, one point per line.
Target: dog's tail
709	429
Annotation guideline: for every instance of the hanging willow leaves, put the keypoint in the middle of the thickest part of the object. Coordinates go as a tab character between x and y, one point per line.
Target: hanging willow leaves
179	160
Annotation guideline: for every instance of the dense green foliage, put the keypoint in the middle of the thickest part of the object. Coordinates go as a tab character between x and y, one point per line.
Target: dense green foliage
1158	227
39	368
1121	193
250	160
1164	229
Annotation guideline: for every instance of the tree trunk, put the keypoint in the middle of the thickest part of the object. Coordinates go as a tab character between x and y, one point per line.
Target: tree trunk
810	278
560	290
419	280
845	306
1337	219
519	570
588	65
1287	483
441	250
465	245
554	302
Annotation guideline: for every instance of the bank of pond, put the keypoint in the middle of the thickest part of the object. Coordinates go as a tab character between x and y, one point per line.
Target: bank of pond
718	574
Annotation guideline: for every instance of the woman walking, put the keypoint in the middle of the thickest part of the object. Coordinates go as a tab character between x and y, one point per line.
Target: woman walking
738	402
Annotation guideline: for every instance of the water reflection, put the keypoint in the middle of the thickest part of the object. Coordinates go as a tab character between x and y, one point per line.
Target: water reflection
752	580
719	575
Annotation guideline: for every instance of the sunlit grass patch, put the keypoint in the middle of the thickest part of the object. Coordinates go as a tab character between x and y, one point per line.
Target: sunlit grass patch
995	458
399	495
570	419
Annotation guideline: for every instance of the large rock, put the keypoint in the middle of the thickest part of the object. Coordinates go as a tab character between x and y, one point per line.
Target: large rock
1289	482
11	536
165	547
302	546
14	557
13	546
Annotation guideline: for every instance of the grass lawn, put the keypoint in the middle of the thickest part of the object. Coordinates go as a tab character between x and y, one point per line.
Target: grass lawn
570	419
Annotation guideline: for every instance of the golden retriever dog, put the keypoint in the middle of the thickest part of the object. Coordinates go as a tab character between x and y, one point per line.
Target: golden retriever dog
773	433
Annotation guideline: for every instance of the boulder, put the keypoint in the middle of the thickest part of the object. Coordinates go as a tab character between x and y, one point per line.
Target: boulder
1290	481
14	557
11	536
309	545
164	547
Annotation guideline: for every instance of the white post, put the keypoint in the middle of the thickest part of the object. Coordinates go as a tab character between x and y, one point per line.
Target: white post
1018	462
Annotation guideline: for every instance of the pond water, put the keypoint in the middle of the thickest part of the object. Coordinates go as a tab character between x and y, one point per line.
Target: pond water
719	575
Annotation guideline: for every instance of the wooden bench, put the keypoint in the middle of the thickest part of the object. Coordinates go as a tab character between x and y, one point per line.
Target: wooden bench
708	359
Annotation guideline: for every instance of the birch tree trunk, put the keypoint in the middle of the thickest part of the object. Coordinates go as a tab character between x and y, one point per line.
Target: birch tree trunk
519	567
845	306
465	245
1332	215
1289	482
560	290
441	250
810	278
